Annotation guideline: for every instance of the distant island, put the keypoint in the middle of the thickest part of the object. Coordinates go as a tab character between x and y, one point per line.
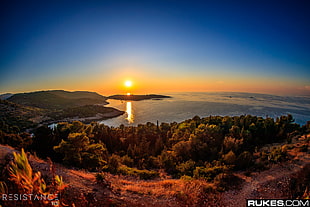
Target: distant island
138	97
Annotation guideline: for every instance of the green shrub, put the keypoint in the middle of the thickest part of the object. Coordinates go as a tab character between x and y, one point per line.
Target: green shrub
142	174
186	178
277	155
78	151
126	160
113	163
186	168
209	173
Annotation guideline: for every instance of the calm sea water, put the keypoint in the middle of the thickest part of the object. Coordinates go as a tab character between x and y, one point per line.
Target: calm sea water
184	106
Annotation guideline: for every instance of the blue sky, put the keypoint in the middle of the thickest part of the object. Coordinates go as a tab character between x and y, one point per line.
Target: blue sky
256	46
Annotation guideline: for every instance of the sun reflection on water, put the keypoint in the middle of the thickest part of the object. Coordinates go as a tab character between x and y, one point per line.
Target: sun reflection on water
129	111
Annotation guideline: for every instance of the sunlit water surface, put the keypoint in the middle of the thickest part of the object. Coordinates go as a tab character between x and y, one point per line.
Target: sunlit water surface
184	106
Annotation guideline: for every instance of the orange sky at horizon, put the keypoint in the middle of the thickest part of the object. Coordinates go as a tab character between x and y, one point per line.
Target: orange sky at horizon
142	85
160	81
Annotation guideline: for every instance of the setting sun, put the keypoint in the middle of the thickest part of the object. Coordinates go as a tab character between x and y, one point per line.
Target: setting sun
128	83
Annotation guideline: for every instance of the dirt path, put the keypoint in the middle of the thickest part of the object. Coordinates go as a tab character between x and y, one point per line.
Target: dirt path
271	183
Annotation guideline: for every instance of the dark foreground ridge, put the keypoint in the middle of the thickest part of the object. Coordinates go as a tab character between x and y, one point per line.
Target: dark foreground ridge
138	97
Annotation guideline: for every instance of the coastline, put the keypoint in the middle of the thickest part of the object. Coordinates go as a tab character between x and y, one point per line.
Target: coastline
97	117
133	97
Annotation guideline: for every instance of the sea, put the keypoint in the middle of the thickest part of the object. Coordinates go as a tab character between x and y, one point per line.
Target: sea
183	106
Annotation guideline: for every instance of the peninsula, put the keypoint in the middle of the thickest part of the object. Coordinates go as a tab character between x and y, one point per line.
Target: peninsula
44	107
138	97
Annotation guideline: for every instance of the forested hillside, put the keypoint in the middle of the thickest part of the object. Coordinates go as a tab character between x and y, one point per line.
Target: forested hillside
15	118
201	153
198	147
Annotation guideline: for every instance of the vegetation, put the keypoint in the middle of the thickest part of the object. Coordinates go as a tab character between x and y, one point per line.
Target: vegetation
15	118
18	177
85	111
202	152
198	147
28	110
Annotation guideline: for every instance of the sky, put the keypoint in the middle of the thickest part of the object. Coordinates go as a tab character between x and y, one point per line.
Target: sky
161	46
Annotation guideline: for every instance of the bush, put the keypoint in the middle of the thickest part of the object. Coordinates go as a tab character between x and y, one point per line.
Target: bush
229	158
142	174
113	164
186	178
186	168
244	160
277	154
78	151
126	160
25	181
224	181
209	173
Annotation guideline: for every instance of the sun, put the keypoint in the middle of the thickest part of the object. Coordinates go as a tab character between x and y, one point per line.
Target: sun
128	83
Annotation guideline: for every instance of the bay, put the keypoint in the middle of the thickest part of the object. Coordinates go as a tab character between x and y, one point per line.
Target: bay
184	106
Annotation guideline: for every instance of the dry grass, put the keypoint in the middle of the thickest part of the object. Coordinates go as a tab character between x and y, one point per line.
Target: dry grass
83	174
184	192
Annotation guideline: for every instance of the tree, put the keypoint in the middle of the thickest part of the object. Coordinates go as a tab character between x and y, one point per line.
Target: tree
78	151
182	150
244	160
44	141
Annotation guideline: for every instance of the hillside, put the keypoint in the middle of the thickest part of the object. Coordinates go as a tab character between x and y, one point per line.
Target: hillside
57	99
25	110
12	114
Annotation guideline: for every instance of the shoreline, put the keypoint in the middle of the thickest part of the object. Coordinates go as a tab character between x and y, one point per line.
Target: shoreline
99	116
